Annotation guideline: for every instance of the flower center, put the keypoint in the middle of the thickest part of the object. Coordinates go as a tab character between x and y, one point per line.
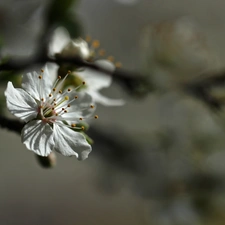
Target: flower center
58	103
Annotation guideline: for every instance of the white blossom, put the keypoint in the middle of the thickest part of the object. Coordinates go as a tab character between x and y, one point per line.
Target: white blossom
95	80
51	115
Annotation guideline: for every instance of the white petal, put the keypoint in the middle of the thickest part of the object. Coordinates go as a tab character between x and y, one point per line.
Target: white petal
96	80
20	103
59	40
69	142
38	137
99	98
37	88
80	107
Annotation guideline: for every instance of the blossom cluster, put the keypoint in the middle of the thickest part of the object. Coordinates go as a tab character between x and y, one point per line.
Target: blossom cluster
53	111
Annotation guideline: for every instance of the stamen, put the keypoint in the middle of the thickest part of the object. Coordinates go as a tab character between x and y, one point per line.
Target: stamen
42	99
92	106
53	89
40	77
95	44
68	105
60	91
82	127
50	95
73	125
111	58
76	97
96	116
101	52
68	89
118	64
42	70
81	118
88	38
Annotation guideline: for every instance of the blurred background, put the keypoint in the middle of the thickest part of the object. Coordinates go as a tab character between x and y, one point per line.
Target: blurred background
159	159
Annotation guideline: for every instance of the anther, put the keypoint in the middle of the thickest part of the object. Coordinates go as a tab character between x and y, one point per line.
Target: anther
68	105
42	71
95	44
54	99
60	92
56	114
81	118
65	111
83	83
40	77
96	116
66	97
55	104
118	64
59	77
82	128
68	89
42	99
101	52
69	72
53	108
73	125
92	106
76	97
111	58
88	38
50	95
54	89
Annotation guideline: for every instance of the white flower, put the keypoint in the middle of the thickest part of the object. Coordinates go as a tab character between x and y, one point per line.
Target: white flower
95	80
50	115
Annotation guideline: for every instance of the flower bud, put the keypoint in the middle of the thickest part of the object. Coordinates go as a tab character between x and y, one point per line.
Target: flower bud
76	48
47	162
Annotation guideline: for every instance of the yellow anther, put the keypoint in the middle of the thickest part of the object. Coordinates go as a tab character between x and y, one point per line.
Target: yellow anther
95	44
82	128
42	71
68	105
60	92
76	97
101	52
88	38
81	118
118	64
40	77
111	58
73	125
66	97
59	77
96	116
68	89
83	83
53	89
92	106
50	95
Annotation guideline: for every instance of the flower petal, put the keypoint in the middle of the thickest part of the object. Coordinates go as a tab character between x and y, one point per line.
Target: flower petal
80	107
38	137
99	98
59	40
96	80
69	142
37	88
20	103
